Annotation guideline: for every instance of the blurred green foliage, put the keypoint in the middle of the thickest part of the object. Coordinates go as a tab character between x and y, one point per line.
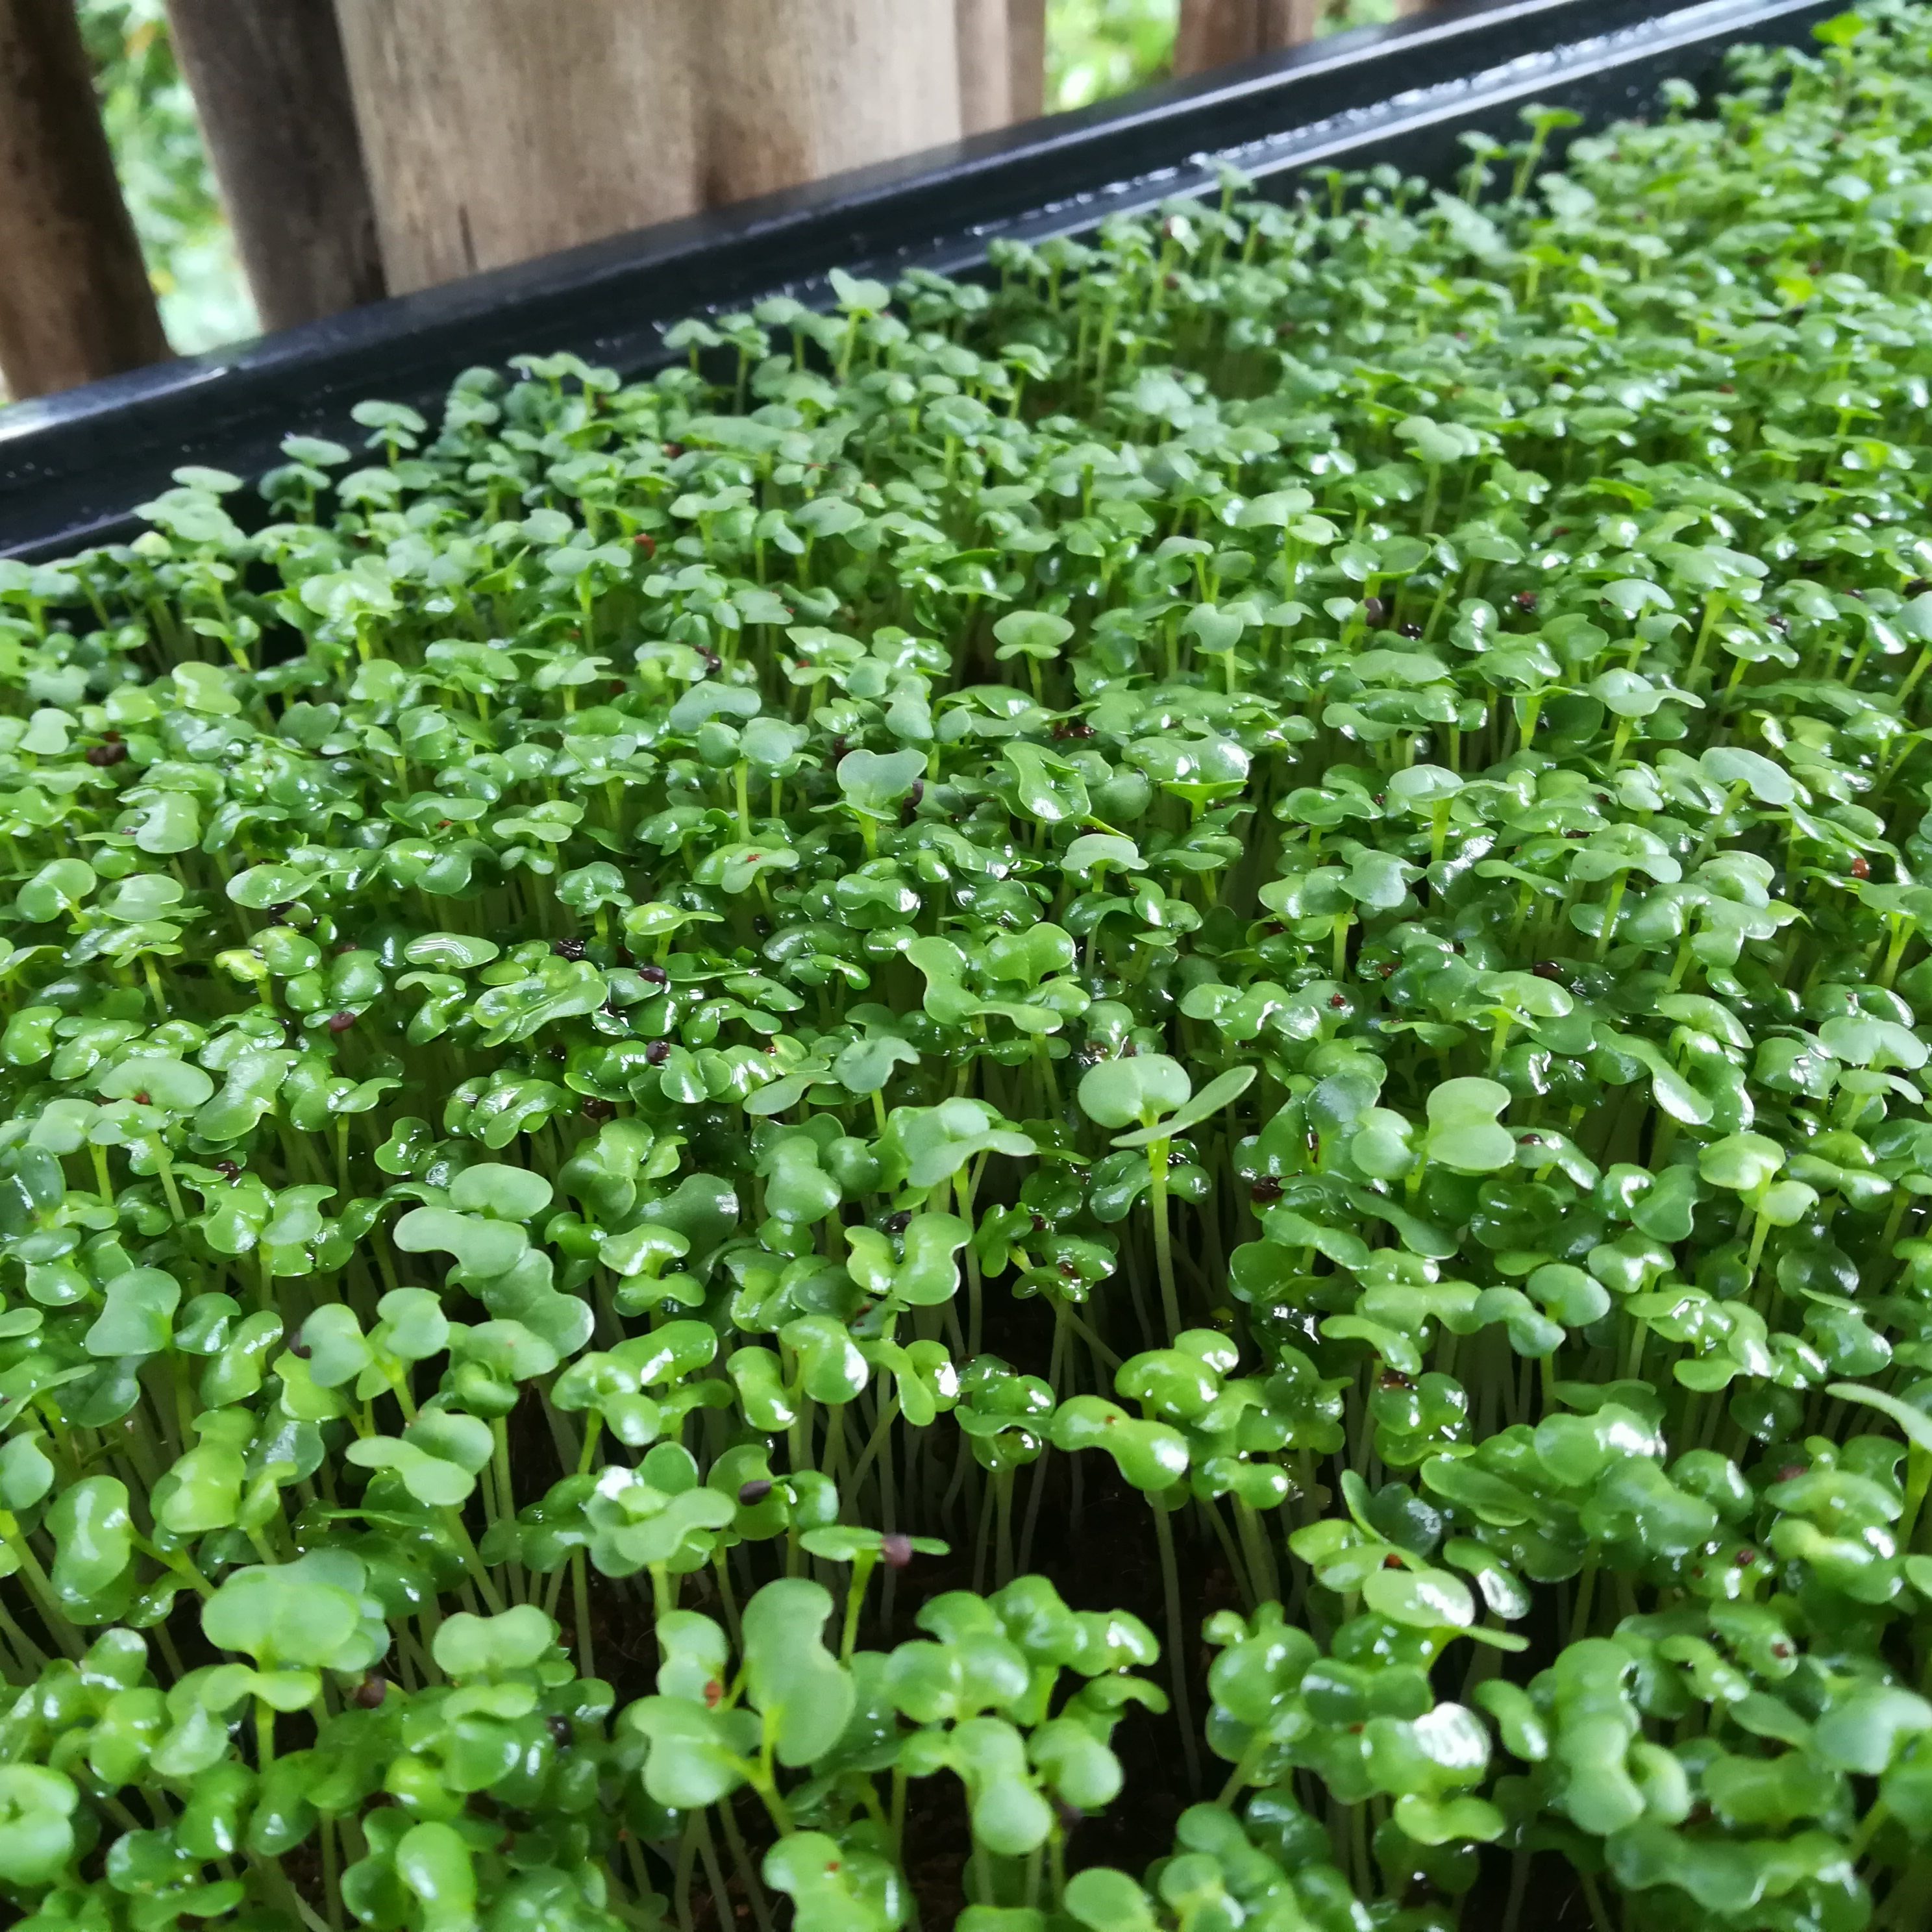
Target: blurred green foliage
1098	48
1095	48
164	174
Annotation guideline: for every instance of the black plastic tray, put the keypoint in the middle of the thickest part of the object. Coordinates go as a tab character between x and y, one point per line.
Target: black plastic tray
73	466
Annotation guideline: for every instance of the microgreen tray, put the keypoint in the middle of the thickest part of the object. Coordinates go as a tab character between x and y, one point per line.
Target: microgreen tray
1086	1099
72	467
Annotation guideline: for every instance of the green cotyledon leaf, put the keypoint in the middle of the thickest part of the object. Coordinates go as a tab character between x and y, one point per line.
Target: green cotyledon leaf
803	1692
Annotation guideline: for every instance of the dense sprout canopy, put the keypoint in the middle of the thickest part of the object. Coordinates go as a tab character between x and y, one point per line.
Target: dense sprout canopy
1126	1061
